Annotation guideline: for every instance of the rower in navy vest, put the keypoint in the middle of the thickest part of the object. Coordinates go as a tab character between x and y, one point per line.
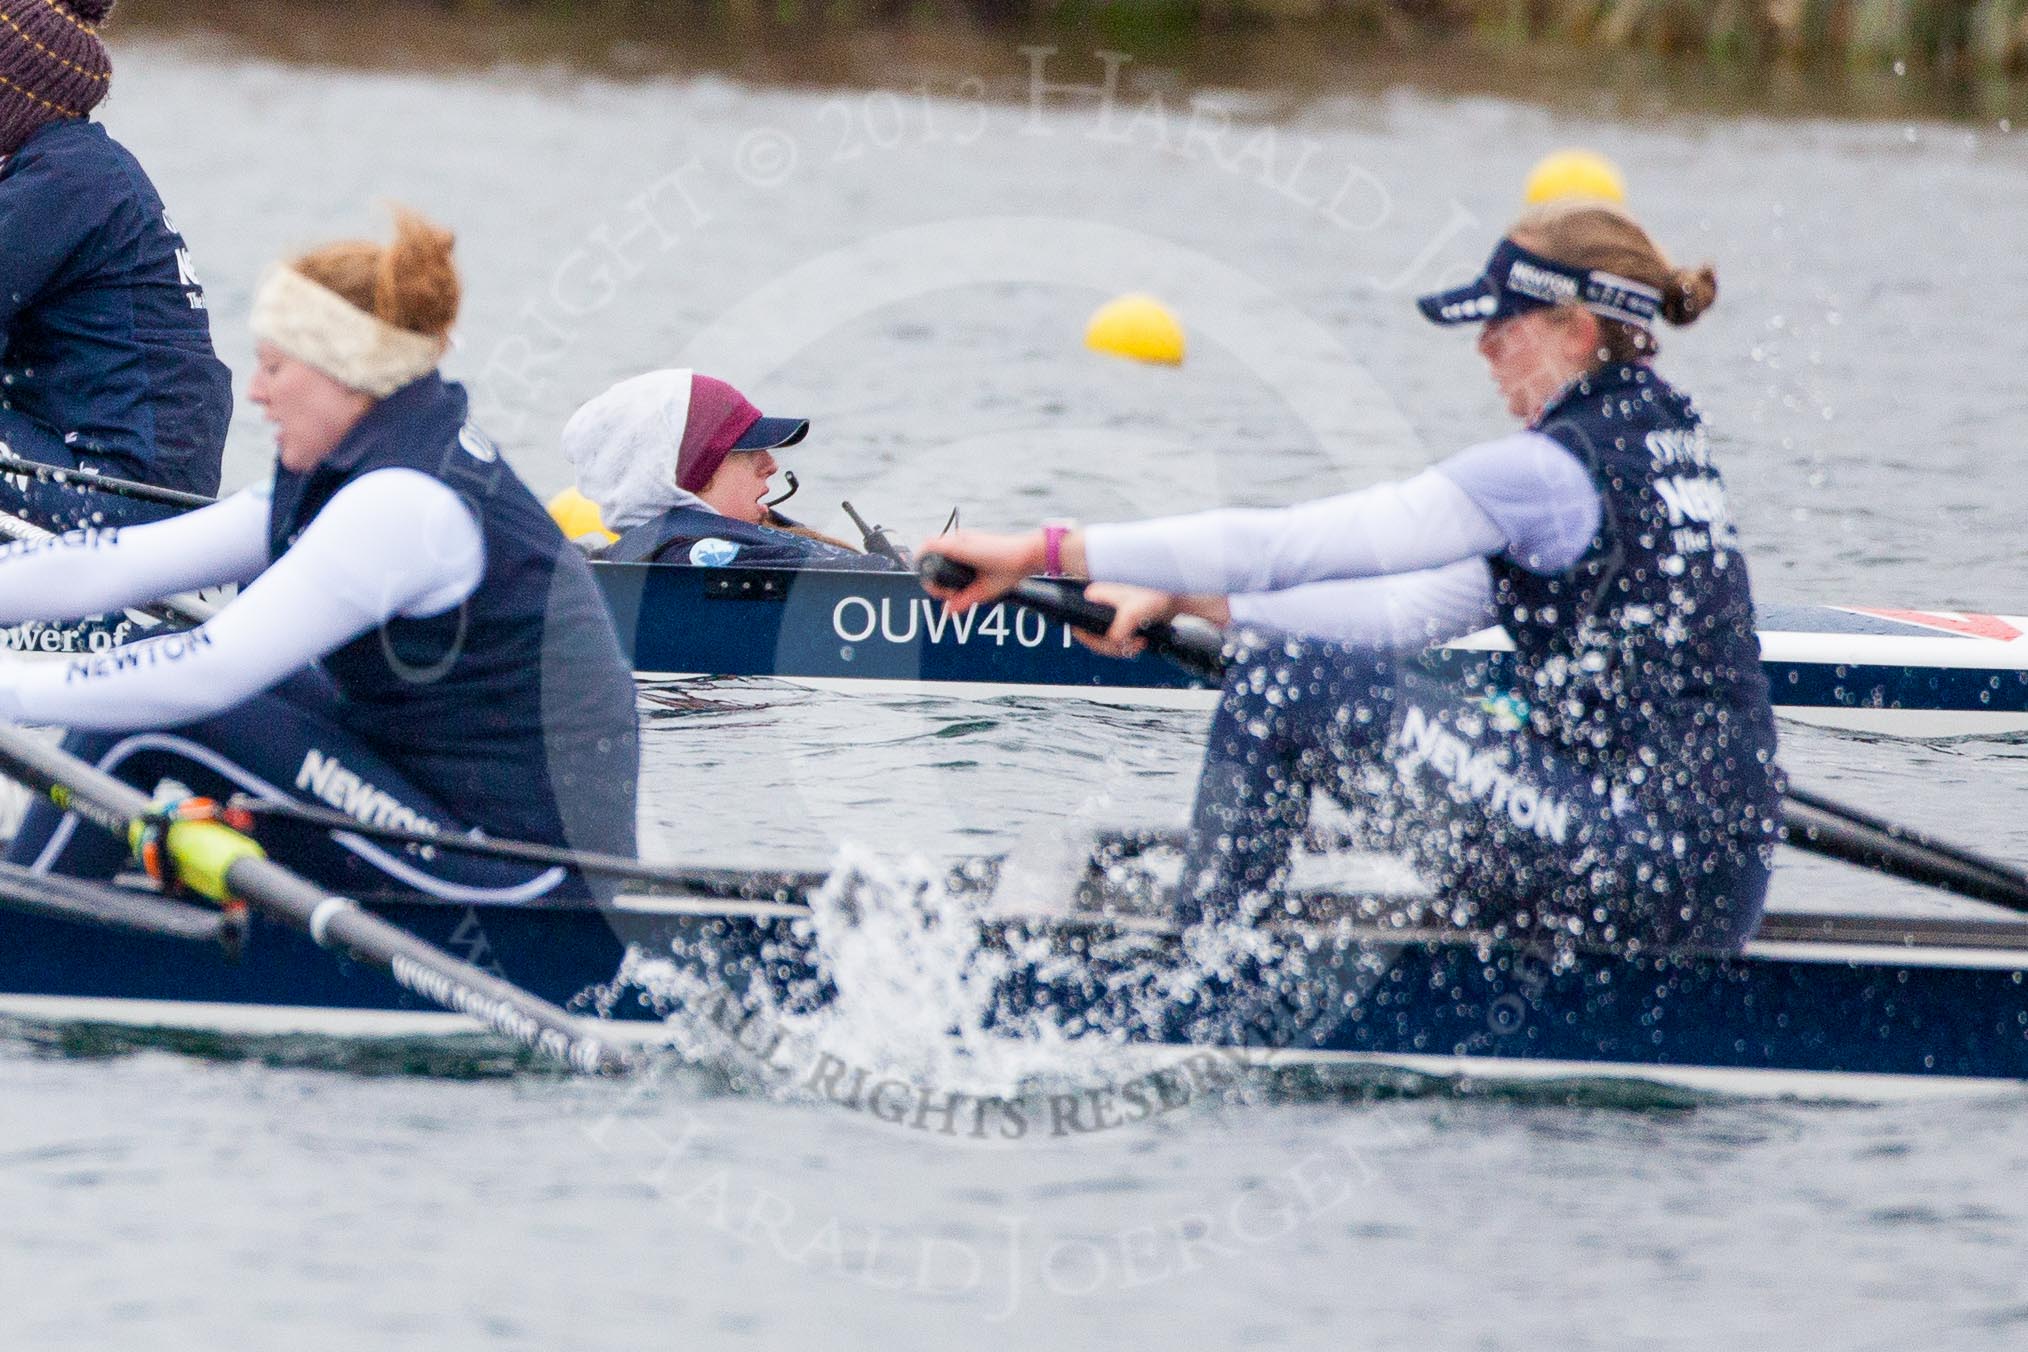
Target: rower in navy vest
107	360
679	464
1620	785
415	643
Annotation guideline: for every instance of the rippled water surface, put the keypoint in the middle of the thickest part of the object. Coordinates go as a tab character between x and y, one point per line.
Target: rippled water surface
909	263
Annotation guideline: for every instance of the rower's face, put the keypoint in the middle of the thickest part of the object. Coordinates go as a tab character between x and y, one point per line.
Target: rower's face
739	484
311	411
1534	355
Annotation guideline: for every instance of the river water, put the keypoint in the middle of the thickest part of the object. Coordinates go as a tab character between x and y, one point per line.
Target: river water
904	250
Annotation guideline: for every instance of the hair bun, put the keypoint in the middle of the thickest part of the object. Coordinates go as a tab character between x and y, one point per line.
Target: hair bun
93	12
415	286
1689	293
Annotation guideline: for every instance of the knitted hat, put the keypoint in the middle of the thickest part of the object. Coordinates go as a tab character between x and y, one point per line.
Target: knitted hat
52	64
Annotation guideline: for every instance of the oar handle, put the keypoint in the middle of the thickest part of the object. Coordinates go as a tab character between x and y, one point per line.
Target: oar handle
1195	646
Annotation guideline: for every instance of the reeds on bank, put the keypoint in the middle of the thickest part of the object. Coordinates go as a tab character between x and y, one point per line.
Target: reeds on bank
1981	37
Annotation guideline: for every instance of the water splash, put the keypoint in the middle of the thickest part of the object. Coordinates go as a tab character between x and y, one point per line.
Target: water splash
909	969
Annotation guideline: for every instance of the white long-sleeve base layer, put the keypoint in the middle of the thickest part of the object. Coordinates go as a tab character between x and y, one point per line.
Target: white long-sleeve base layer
394	542
1394	567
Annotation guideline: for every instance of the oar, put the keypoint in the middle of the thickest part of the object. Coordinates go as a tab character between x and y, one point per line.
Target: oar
1810	822
1814	823
87	903
177	610
217	862
713	882
100	483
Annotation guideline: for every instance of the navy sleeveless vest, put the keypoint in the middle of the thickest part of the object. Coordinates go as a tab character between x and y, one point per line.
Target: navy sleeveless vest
677	534
1643	655
515	709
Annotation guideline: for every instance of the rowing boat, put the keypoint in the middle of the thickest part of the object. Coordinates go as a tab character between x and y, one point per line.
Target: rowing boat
1898	672
1818	1006
1827	1006
1893	672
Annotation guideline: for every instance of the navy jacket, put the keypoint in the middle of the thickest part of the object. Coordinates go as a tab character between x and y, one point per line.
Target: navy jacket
516	709
698	535
108	342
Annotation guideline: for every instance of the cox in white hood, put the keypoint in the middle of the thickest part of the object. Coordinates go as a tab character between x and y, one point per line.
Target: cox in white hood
652	443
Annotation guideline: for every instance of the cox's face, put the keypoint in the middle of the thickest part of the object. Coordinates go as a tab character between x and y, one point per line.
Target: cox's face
739	484
310	411
1534	355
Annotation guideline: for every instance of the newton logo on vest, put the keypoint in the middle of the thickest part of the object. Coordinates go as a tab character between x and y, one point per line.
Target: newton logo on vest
1692	498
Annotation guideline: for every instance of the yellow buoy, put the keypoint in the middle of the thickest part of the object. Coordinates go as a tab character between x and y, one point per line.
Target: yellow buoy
1575	173
579	517
1137	327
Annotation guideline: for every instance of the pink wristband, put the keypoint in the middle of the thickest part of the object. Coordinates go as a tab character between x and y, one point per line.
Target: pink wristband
1052	547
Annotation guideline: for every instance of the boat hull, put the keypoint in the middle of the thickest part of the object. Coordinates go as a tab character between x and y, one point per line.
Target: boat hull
1826	1016
1928	674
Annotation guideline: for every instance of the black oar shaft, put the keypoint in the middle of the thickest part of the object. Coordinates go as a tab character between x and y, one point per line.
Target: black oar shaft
333	922
103	483
1809	823
341	924
778	886
1889	836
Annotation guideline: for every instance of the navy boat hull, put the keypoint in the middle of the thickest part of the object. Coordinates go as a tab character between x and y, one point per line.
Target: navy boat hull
1834	1011
1898	672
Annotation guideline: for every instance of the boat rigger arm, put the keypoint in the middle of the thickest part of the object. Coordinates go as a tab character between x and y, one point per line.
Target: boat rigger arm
1522	495
393	542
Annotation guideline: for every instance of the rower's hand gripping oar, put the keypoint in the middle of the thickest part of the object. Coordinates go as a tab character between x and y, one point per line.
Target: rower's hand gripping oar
218	862
1810	822
1195	646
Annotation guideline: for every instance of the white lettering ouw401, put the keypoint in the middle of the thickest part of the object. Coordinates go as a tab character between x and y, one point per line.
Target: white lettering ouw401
858	619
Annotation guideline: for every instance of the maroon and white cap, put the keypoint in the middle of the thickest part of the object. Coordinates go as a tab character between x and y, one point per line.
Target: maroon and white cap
718	422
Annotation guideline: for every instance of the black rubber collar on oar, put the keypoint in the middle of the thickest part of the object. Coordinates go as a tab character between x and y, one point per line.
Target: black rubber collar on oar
1199	650
1810	822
